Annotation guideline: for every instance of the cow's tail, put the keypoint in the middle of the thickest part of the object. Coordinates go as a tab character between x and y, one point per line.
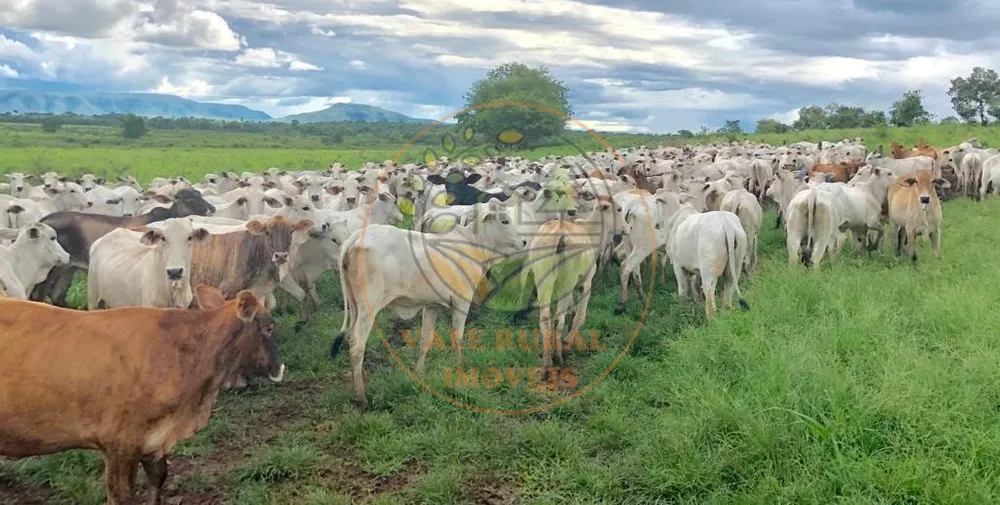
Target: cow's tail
810	227
345	289
732	244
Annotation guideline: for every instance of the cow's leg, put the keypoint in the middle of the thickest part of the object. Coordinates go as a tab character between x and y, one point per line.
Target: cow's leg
624	275
794	244
545	325
156	477
359	339
819	248
458	318
562	308
897	233
637	277
708	281
777	222
426	336
935	236
581	309
119	476
911	244
682	281
314	294
60	286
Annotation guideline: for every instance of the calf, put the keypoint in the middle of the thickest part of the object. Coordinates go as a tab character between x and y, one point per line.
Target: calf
915	210
130	383
28	260
147	268
406	271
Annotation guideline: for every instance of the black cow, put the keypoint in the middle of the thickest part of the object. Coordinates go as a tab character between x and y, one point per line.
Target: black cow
460	190
77	231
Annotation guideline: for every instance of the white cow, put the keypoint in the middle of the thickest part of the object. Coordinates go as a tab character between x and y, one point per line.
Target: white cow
811	226
28	260
147	269
711	245
746	207
101	200
406	271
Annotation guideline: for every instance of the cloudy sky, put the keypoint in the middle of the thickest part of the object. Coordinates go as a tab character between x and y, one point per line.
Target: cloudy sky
637	65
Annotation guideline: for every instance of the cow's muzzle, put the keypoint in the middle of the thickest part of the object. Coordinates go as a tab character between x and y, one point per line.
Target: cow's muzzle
175	274
925	200
279	258
280	375
314	198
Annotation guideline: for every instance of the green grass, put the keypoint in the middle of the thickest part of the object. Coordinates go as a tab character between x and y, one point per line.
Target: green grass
870	380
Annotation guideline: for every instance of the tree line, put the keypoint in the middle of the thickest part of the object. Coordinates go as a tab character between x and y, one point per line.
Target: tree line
975	99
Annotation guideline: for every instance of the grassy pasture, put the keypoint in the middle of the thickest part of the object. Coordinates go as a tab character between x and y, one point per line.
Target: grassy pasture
870	380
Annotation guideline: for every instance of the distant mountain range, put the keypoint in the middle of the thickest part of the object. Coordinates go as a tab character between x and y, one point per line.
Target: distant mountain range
353	112
142	104
153	105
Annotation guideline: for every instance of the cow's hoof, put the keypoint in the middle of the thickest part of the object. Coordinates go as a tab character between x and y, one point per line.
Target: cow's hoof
520	317
744	306
914	259
620	309
299	325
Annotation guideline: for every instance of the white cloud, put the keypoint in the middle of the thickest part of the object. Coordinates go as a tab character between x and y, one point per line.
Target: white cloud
358	64
76	17
194	28
302	66
315	30
9	73
788	117
264	57
14	49
189	88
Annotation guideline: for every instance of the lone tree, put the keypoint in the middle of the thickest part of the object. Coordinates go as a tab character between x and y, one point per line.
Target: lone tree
772	126
133	126
516	82
51	124
972	96
909	110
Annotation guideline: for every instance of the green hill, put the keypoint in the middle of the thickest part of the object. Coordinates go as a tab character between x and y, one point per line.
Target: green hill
353	112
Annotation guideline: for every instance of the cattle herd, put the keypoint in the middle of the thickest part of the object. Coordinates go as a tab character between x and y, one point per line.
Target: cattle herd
187	272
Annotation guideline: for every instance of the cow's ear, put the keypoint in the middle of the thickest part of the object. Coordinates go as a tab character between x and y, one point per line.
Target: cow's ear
435	179
63	179
34	233
255	227
272	202
289	201
385	197
270	184
941	183
161	198
51	191
208	297
303	225
909	181
299	184
334	190
241	200
199	234
151	237
473	178
246	306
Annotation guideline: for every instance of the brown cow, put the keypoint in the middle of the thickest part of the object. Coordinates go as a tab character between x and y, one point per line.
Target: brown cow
914	210
247	259
840	172
922	149
129	382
